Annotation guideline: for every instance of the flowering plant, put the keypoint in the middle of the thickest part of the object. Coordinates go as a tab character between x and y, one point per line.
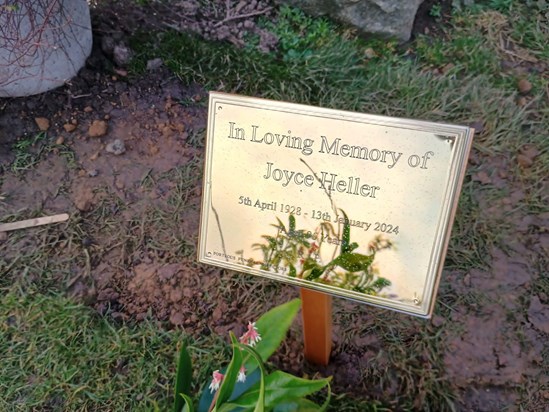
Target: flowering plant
245	385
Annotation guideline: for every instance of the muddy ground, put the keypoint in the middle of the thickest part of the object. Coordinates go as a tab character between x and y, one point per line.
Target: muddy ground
123	156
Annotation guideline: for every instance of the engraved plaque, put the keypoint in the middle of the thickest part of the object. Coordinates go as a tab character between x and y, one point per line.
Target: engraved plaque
350	204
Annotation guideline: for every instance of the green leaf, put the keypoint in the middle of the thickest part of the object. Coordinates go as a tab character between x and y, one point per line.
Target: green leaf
273	326
281	387
188	407
346	237
327	401
280	225
271	240
298	405
293	272
291	221
353	262
315	273
231	374
353	246
183	378
380	283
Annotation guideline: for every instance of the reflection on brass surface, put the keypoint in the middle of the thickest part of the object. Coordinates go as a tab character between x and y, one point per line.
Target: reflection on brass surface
354	205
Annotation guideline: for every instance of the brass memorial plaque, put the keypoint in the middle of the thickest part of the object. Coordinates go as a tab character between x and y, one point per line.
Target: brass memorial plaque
350	204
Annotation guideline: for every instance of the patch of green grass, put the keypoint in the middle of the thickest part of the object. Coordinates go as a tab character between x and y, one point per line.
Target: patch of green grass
28	152
484	37
40	258
300	35
468	53
58	355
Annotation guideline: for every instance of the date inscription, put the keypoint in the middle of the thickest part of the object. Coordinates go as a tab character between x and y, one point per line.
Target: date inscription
278	207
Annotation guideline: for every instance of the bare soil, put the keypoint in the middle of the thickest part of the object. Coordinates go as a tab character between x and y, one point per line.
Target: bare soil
127	267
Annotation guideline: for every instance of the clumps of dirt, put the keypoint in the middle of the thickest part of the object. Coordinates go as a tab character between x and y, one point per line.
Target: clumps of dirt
169	292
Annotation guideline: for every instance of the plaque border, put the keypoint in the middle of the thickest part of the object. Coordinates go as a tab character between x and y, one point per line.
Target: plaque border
462	137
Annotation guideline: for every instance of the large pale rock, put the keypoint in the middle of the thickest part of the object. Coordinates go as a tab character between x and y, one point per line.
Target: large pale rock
43	44
384	18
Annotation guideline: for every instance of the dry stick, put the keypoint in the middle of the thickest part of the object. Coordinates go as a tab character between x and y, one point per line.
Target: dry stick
46	220
242	16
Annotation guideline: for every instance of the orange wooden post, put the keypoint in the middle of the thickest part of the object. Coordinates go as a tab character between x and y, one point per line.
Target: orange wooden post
316	308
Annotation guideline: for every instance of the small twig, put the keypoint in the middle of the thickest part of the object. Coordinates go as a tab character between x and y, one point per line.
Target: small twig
22	224
78	96
242	16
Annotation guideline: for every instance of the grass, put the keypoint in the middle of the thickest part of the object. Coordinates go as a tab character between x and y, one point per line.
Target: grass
27	152
59	355
80	361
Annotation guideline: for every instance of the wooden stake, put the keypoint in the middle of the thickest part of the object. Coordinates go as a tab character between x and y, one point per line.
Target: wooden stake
316	308
6	227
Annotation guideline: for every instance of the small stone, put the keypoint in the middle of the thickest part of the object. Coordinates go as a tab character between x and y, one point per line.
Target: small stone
83	199
154	64
69	127
42	123
116	147
60	140
93	173
98	128
524	86
122	55
107	45
524	161
521	101
88	109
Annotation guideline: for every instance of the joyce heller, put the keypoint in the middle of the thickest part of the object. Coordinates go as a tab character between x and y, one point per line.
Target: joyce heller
325	181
